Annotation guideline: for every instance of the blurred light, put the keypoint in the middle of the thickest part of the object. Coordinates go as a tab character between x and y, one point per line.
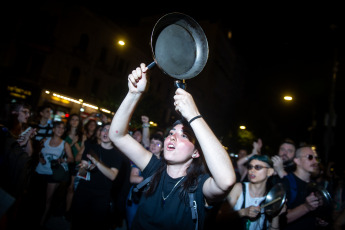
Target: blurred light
153	124
121	43
105	110
82	109
66	115
233	155
287	98
243	127
47	92
99	123
229	34
91	106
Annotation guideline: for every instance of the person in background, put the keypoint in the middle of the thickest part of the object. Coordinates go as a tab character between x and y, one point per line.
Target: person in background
143	136
54	148
284	161
156	147
73	136
16	164
181	169
246	197
301	203
44	127
99	167
242	161
90	130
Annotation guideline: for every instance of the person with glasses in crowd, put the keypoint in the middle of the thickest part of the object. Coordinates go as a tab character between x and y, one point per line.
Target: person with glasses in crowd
301	203
246	197
155	147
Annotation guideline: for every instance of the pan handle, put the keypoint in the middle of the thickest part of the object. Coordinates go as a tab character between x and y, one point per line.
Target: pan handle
151	65
179	84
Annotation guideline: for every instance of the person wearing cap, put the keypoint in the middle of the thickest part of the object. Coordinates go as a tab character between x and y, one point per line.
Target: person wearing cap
245	197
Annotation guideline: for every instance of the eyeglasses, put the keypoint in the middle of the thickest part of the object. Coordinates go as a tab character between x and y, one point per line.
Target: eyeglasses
256	167
158	144
311	157
25	111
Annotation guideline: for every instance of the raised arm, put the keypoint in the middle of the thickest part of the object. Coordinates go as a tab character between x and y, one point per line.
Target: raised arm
146	131
118	134
217	159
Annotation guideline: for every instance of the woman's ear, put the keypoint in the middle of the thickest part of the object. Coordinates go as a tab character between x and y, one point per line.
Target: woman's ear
270	172
195	154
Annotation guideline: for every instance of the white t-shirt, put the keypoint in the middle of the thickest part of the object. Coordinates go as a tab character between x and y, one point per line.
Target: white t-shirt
49	153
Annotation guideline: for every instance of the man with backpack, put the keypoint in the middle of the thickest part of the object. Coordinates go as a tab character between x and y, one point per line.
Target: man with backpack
301	203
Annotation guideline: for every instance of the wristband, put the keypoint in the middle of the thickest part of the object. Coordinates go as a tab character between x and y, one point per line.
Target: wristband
146	125
194	118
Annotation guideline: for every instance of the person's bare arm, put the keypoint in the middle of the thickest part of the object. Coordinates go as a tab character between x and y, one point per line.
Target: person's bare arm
118	133
216	157
146	131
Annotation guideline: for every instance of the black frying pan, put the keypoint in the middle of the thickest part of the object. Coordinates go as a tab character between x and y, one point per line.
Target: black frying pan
179	46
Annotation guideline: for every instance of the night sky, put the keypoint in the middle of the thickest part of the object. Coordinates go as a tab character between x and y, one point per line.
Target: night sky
285	48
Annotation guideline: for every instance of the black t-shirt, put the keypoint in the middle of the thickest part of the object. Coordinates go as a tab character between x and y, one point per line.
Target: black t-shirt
308	221
174	213
112	158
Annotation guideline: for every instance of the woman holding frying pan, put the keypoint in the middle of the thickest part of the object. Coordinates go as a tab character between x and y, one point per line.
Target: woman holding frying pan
181	171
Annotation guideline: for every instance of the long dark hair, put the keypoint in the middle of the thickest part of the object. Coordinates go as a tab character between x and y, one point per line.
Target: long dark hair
196	168
93	136
79	130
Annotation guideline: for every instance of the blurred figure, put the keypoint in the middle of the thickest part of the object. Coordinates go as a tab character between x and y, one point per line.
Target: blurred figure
54	148
284	161
16	164
300	203
90	130
73	136
143	136
44	127
99	167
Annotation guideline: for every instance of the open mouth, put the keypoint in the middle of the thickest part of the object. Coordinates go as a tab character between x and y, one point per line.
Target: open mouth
170	146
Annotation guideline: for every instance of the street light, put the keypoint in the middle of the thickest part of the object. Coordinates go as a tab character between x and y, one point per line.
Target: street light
288	98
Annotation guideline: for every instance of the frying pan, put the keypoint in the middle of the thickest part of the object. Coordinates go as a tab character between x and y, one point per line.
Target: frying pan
275	199
179	46
324	197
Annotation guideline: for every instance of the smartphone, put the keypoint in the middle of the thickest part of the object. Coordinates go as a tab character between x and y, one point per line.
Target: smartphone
25	132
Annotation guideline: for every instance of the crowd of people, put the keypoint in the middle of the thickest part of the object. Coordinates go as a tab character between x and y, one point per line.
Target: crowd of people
141	179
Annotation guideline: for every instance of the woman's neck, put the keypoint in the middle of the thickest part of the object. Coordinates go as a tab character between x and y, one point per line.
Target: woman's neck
176	171
257	190
73	131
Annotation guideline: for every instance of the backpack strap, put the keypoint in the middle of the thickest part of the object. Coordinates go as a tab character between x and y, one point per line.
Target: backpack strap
293	187
142	184
194	208
244	195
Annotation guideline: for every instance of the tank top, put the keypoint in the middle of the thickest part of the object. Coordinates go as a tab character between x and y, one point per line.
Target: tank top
49	153
251	201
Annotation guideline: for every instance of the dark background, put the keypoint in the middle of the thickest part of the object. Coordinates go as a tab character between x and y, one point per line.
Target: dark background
283	48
